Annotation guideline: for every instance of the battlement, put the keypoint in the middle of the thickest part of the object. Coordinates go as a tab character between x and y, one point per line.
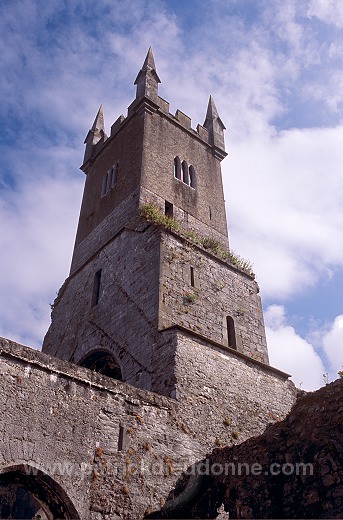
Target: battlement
148	100
179	118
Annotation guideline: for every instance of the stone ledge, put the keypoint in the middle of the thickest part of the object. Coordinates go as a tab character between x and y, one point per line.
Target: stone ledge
26	355
248	360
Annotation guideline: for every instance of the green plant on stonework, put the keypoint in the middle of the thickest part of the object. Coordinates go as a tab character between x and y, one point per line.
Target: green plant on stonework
190	234
190	298
154	214
340	372
210	243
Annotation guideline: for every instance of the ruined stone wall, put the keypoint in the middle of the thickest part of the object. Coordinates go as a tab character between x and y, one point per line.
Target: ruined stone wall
117	451
293	470
124	321
218	291
146	288
227	398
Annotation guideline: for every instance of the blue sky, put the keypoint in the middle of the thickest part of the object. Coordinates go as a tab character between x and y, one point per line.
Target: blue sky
275	72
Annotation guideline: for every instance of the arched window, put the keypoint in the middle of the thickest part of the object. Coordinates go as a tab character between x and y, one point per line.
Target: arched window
104	185
231	334
27	492
104	363
96	288
192	176
185	174
114	174
110	179
177	168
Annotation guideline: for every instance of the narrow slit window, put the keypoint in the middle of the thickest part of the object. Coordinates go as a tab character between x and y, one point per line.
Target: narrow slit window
231	334
168	209
210	212
108	180
177	168
114	174
192	176
185	174
104	184
121	438
192	277
96	288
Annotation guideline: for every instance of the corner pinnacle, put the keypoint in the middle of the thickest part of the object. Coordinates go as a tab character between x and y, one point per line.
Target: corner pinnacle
147	80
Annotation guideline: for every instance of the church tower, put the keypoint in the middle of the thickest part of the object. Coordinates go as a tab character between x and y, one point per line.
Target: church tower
154	297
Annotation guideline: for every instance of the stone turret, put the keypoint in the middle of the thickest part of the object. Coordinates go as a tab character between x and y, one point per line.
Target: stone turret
147	80
95	134
215	127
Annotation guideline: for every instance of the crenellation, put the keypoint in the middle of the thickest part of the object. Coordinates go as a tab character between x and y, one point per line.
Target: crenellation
164	105
183	119
203	133
117	124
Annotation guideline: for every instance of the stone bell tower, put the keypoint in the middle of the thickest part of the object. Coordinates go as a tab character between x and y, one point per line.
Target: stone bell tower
154	298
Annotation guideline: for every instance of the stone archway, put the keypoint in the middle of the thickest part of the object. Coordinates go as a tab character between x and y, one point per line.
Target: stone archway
26	492
103	362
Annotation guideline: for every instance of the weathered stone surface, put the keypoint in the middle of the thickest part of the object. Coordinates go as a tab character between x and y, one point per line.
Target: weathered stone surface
218	291
66	420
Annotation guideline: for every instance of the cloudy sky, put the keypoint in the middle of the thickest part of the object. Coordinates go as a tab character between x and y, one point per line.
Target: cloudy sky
275	70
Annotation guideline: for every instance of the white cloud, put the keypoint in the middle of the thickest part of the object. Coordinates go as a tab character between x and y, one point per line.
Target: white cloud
285	206
291	353
333	346
36	241
328	11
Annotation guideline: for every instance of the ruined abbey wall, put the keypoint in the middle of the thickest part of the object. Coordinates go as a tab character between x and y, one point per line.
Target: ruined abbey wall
117	451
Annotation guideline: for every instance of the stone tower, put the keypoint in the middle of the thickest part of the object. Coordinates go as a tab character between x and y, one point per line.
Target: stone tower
158	330
153	292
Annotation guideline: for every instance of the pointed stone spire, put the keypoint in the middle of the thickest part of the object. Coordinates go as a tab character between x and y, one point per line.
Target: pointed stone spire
215	126
94	135
147	80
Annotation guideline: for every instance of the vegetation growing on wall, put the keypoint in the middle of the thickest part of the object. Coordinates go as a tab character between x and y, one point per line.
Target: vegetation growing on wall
153	214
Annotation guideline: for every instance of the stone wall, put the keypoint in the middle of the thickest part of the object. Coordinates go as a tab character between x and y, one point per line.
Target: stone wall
146	287
124	321
114	450
199	292
124	148
226	397
117	451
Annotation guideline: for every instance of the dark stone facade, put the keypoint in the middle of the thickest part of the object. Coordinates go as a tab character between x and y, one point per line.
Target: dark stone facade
293	470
